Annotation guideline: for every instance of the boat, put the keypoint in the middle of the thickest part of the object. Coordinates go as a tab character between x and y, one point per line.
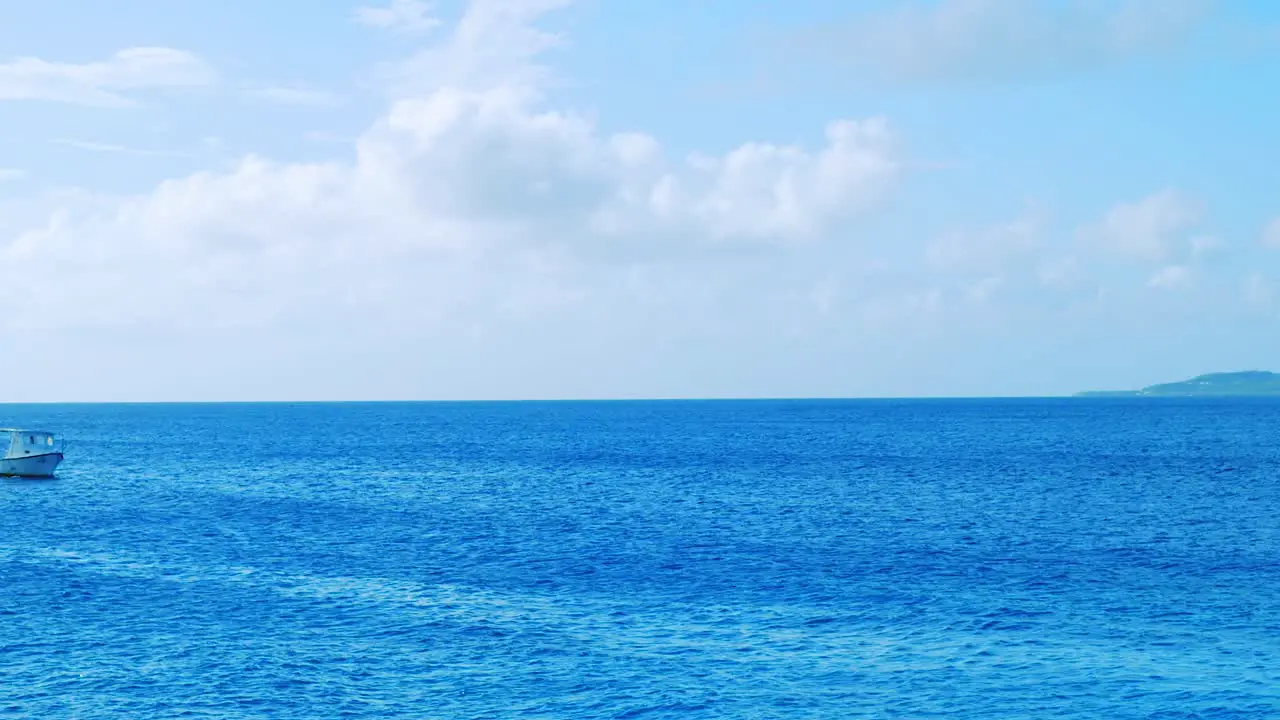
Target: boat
30	453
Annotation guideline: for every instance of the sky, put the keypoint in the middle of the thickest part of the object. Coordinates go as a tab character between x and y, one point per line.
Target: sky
529	199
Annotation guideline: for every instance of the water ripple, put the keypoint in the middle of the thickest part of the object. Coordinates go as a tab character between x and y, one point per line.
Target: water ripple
648	560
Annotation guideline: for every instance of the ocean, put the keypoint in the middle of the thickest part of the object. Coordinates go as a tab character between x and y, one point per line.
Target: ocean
1058	558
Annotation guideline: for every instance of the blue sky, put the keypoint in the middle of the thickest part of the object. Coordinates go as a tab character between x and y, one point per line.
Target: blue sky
545	198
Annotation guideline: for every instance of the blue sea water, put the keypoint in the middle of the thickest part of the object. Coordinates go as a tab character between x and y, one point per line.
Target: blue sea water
771	559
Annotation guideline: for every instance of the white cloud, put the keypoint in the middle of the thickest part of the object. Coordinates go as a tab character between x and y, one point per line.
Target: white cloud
892	309
1206	245
1170	277
1259	292
988	248
758	191
1147	228
112	148
1060	272
1025	253
107	83
1271	234
469	201
409	16
984	289
825	294
963	40
322	136
497	43
307	97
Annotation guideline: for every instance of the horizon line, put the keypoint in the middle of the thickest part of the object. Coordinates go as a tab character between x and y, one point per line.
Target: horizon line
1082	395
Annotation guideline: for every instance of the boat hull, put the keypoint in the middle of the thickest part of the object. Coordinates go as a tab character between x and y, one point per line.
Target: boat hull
37	466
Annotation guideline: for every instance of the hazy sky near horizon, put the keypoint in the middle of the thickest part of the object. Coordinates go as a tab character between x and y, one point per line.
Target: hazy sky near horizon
297	200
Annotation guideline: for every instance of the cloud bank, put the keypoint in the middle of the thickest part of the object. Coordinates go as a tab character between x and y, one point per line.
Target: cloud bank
471	204
113	82
478	238
952	41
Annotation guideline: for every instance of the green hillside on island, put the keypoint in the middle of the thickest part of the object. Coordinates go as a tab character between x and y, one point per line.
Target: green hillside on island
1251	383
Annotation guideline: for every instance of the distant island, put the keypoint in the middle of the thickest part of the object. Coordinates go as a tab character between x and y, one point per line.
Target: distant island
1251	383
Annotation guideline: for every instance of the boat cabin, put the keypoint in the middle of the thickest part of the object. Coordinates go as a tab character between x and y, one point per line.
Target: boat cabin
23	443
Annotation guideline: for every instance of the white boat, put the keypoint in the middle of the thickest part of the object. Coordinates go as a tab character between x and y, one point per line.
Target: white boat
31	453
